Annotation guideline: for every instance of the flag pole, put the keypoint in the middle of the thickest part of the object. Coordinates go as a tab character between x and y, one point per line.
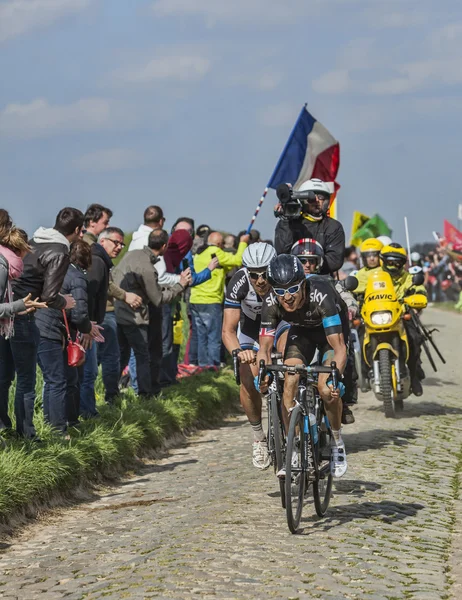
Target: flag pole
262	199
407	241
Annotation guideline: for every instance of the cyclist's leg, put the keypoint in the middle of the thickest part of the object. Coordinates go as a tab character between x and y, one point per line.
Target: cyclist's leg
299	351
280	339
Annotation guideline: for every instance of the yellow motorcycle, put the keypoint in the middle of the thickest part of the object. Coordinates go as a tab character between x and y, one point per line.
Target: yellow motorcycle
386	346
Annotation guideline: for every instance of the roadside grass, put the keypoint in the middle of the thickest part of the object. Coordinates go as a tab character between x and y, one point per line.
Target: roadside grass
106	446
450	306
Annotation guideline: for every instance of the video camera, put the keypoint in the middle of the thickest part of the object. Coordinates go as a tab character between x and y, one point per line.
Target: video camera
292	202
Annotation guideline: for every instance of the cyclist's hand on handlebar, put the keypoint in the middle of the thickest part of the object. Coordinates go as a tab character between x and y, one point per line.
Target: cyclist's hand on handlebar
263	388
247	357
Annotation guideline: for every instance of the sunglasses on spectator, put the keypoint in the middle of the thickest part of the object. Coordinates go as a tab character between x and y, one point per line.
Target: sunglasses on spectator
311	260
292	290
116	242
254	275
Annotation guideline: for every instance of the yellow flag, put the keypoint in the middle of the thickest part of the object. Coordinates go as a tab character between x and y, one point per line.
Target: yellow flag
333	206
358	221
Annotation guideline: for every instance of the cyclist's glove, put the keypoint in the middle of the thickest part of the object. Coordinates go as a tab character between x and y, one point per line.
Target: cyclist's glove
255	382
340	386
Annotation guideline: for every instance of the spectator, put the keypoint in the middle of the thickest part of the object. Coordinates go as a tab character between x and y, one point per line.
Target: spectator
230	243
96	220
200	241
207	299
351	262
135	273
59	378
13	249
110	244
44	271
153	220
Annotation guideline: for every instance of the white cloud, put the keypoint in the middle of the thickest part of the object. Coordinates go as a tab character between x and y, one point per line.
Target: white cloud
279	115
237	11
110	159
264	82
41	119
333	82
181	68
21	16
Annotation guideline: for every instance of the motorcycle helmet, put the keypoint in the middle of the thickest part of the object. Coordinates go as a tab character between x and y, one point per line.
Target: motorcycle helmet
284	271
415	257
386	241
393	258
318	188
308	248
370	247
258	255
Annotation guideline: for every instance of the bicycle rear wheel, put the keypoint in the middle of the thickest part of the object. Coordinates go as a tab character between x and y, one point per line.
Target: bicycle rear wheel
278	439
322	485
295	481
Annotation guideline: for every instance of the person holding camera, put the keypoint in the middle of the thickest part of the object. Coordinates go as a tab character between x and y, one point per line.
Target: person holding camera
303	214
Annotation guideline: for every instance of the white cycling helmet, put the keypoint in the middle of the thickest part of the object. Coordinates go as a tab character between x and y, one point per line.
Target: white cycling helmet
386	241
316	186
258	255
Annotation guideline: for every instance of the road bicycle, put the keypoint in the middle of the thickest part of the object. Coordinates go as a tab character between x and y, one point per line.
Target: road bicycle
307	452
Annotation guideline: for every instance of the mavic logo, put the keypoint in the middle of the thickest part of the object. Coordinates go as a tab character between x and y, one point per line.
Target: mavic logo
316	296
380	297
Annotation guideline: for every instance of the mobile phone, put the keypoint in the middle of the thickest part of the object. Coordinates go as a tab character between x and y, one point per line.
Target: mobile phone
185	264
213	255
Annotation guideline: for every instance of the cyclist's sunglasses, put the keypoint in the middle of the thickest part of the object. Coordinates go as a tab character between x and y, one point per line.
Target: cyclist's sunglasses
311	260
254	275
292	290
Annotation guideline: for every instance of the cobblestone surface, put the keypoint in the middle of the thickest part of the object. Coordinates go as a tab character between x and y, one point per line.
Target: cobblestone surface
203	523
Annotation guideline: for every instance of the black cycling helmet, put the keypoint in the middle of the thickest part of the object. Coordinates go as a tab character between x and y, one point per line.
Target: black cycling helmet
285	270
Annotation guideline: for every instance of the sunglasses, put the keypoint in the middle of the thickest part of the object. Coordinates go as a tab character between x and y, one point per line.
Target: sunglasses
254	275
292	290
311	260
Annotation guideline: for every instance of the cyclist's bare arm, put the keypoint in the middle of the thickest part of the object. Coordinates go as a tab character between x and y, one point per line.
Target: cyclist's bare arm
266	345
231	318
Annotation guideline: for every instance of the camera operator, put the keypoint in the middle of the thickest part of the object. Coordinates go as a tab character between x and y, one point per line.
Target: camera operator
303	214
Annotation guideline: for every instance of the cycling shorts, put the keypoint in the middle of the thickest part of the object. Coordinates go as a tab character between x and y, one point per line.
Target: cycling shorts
302	343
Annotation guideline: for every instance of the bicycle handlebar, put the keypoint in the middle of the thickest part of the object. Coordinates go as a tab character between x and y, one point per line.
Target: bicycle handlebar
300	370
237	375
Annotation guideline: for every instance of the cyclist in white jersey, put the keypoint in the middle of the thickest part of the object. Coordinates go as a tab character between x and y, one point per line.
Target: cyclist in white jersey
241	327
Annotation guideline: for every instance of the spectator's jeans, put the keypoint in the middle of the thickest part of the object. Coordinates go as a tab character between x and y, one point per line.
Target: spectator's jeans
87	385
24	346
168	368
132	371
74	375
155	345
109	357
6	379
136	337
51	359
207	321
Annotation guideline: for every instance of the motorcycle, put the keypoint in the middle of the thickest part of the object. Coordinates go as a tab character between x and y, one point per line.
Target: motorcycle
385	345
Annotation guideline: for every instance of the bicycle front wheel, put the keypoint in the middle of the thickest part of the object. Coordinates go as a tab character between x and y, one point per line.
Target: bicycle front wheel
322	485
295	469
278	439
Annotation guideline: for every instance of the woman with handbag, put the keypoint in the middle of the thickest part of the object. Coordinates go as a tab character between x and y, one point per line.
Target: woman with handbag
60	354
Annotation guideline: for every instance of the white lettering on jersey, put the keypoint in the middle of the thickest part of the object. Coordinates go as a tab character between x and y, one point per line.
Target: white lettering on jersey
317	296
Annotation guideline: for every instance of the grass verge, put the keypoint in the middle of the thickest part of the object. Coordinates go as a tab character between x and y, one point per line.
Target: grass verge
32	475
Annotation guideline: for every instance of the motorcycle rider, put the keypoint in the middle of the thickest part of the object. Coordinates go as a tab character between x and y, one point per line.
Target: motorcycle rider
311	255
313	223
241	328
370	254
393	260
317	323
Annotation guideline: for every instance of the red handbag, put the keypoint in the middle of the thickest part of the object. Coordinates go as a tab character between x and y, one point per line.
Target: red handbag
75	351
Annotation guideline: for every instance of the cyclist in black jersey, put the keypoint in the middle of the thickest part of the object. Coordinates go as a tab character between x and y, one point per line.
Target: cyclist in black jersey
318	321
241	328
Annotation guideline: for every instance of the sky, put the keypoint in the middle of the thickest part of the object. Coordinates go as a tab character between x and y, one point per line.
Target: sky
188	103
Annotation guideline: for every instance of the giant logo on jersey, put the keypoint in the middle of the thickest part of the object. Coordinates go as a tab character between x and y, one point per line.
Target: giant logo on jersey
237	286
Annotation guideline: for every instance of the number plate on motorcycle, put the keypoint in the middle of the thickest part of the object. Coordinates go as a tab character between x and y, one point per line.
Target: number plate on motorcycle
380	285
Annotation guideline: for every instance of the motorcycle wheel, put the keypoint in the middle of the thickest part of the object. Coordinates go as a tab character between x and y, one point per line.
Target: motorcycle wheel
386	386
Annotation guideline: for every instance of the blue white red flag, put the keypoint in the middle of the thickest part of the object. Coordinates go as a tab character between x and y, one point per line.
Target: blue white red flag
311	152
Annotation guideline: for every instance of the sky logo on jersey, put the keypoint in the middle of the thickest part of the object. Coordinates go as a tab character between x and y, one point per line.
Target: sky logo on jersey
316	296
267	332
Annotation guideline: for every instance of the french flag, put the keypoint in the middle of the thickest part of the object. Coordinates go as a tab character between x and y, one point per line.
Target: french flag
310	152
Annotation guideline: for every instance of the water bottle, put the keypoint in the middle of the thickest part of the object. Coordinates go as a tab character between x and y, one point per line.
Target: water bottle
313	427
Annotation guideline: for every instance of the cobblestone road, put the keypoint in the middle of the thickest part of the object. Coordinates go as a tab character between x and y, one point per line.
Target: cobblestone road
203	523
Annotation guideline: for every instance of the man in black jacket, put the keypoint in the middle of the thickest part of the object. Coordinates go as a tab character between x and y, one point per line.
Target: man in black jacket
44	271
315	224
110	244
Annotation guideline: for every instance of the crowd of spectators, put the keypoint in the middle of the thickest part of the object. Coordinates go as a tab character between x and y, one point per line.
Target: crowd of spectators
62	286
